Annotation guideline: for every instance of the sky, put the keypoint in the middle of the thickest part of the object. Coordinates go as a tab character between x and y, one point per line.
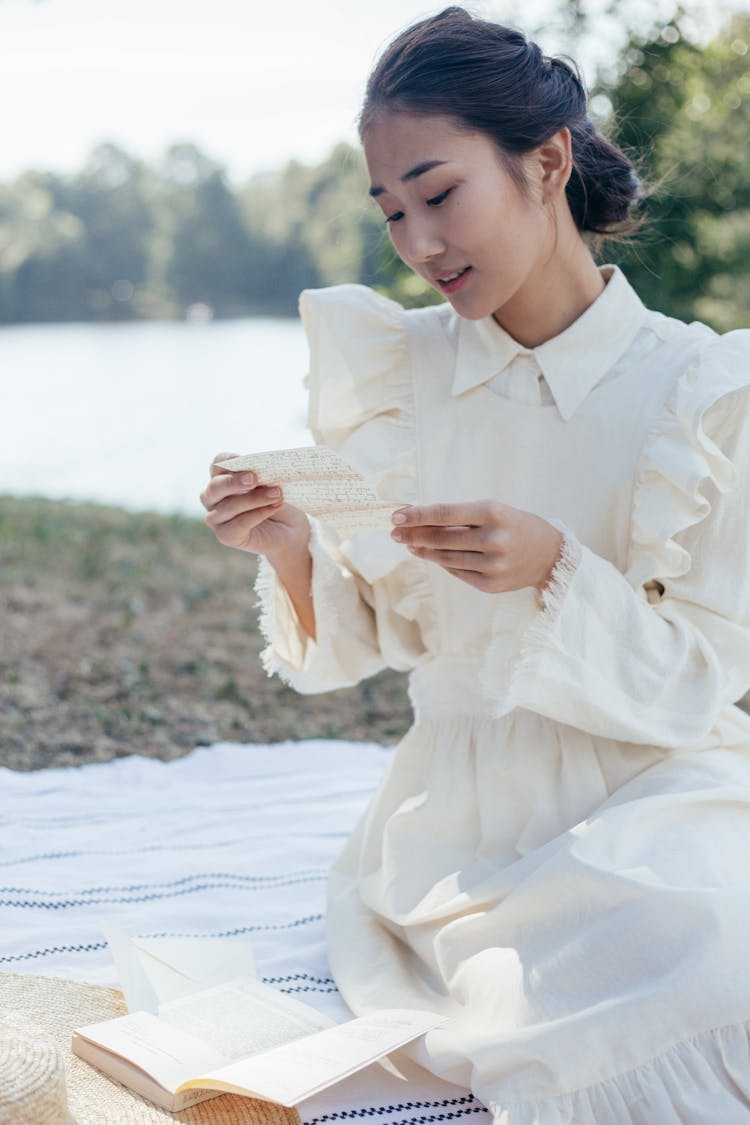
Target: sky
253	82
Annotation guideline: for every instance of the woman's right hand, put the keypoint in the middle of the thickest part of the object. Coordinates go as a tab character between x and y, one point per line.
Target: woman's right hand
243	514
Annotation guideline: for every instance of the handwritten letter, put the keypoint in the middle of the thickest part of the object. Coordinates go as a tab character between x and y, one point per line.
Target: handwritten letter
320	482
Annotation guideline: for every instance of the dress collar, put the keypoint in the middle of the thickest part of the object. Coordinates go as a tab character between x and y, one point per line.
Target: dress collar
572	362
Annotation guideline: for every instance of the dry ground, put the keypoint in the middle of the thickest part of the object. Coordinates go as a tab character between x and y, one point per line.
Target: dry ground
128	633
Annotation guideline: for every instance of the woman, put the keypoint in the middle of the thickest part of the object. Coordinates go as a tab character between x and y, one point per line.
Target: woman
558	856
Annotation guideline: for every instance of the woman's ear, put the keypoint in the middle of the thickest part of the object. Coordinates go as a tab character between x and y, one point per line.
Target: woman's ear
554	161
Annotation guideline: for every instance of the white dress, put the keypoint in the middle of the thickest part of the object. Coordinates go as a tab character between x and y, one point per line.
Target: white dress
559	855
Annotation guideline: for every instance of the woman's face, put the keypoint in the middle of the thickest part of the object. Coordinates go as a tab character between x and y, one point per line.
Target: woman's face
452	207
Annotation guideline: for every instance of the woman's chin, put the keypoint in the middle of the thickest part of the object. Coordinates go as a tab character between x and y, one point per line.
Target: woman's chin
470	305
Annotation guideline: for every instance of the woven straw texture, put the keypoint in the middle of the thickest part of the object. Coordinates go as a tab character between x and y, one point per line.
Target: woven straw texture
32	1074
56	1006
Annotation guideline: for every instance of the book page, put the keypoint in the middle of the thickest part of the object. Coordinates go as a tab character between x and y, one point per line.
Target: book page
195	1034
242	1017
168	1054
135	1078
322	483
295	1071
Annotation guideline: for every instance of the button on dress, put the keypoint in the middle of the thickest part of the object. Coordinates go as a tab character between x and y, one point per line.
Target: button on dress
558	857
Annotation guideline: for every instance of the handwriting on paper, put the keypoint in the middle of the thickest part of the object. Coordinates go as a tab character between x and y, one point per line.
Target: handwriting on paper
322	483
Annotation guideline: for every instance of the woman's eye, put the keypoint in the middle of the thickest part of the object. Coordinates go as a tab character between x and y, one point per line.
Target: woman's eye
434	202
438	199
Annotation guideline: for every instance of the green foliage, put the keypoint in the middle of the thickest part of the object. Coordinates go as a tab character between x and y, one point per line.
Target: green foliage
75	248
326	215
688	110
210	247
123	240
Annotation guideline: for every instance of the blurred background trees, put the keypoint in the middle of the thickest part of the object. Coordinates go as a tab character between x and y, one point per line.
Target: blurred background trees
688	111
123	240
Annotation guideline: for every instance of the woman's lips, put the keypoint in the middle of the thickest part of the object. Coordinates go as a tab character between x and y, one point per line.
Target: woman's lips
455	282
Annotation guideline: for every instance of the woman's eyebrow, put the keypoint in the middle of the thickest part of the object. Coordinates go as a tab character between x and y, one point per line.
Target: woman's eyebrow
411	175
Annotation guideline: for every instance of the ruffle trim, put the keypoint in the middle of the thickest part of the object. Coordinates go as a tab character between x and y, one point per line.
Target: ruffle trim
680	457
362	404
361	392
699	1080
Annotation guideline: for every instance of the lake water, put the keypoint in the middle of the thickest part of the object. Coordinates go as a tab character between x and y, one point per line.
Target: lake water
132	414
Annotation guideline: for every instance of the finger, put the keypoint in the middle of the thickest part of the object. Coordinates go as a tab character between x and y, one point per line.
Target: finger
239	528
227	484
233	506
450	538
469	513
220	457
458	560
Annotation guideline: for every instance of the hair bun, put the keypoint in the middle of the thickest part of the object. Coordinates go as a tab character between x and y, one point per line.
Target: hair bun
603	185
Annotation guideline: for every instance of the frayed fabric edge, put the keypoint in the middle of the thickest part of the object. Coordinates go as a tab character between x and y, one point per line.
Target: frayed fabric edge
539	632
567	564
266	591
271	594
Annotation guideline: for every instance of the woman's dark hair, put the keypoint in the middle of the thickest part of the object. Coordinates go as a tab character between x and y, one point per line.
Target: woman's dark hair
493	80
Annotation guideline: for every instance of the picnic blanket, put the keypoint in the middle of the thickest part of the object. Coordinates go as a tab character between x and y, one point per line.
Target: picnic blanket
229	841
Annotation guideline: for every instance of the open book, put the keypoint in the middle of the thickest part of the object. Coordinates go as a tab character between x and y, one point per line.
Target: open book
241	1037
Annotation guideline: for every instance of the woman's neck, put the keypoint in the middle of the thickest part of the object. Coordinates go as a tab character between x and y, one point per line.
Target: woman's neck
554	295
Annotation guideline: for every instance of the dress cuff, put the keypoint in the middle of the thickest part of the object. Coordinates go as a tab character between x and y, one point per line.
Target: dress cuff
511	682
550	597
289	649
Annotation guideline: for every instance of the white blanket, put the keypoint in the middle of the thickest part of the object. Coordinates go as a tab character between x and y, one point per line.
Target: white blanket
232	840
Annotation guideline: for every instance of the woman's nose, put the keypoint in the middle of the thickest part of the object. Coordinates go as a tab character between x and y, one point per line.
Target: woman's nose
422	242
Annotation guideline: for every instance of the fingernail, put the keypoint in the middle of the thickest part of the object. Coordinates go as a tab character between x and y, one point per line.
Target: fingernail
274	492
396	535
247	478
399	517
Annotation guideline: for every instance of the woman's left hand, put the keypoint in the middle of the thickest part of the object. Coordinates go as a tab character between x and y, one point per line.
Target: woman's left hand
485	543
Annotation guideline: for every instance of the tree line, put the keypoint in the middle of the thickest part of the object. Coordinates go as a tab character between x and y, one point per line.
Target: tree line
122	239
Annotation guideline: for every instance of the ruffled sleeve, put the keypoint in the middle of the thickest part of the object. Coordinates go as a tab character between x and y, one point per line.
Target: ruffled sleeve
368	591
655	655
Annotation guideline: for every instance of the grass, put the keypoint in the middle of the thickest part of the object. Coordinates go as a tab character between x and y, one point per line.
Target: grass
128	633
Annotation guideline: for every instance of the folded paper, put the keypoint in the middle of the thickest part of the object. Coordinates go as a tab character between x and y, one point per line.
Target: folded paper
152	971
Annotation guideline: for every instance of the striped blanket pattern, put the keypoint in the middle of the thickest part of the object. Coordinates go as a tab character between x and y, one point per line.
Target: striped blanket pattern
229	841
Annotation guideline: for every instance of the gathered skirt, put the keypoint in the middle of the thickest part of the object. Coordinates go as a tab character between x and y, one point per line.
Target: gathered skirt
579	908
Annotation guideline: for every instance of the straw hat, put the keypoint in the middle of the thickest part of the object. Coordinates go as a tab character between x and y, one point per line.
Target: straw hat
43	1083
